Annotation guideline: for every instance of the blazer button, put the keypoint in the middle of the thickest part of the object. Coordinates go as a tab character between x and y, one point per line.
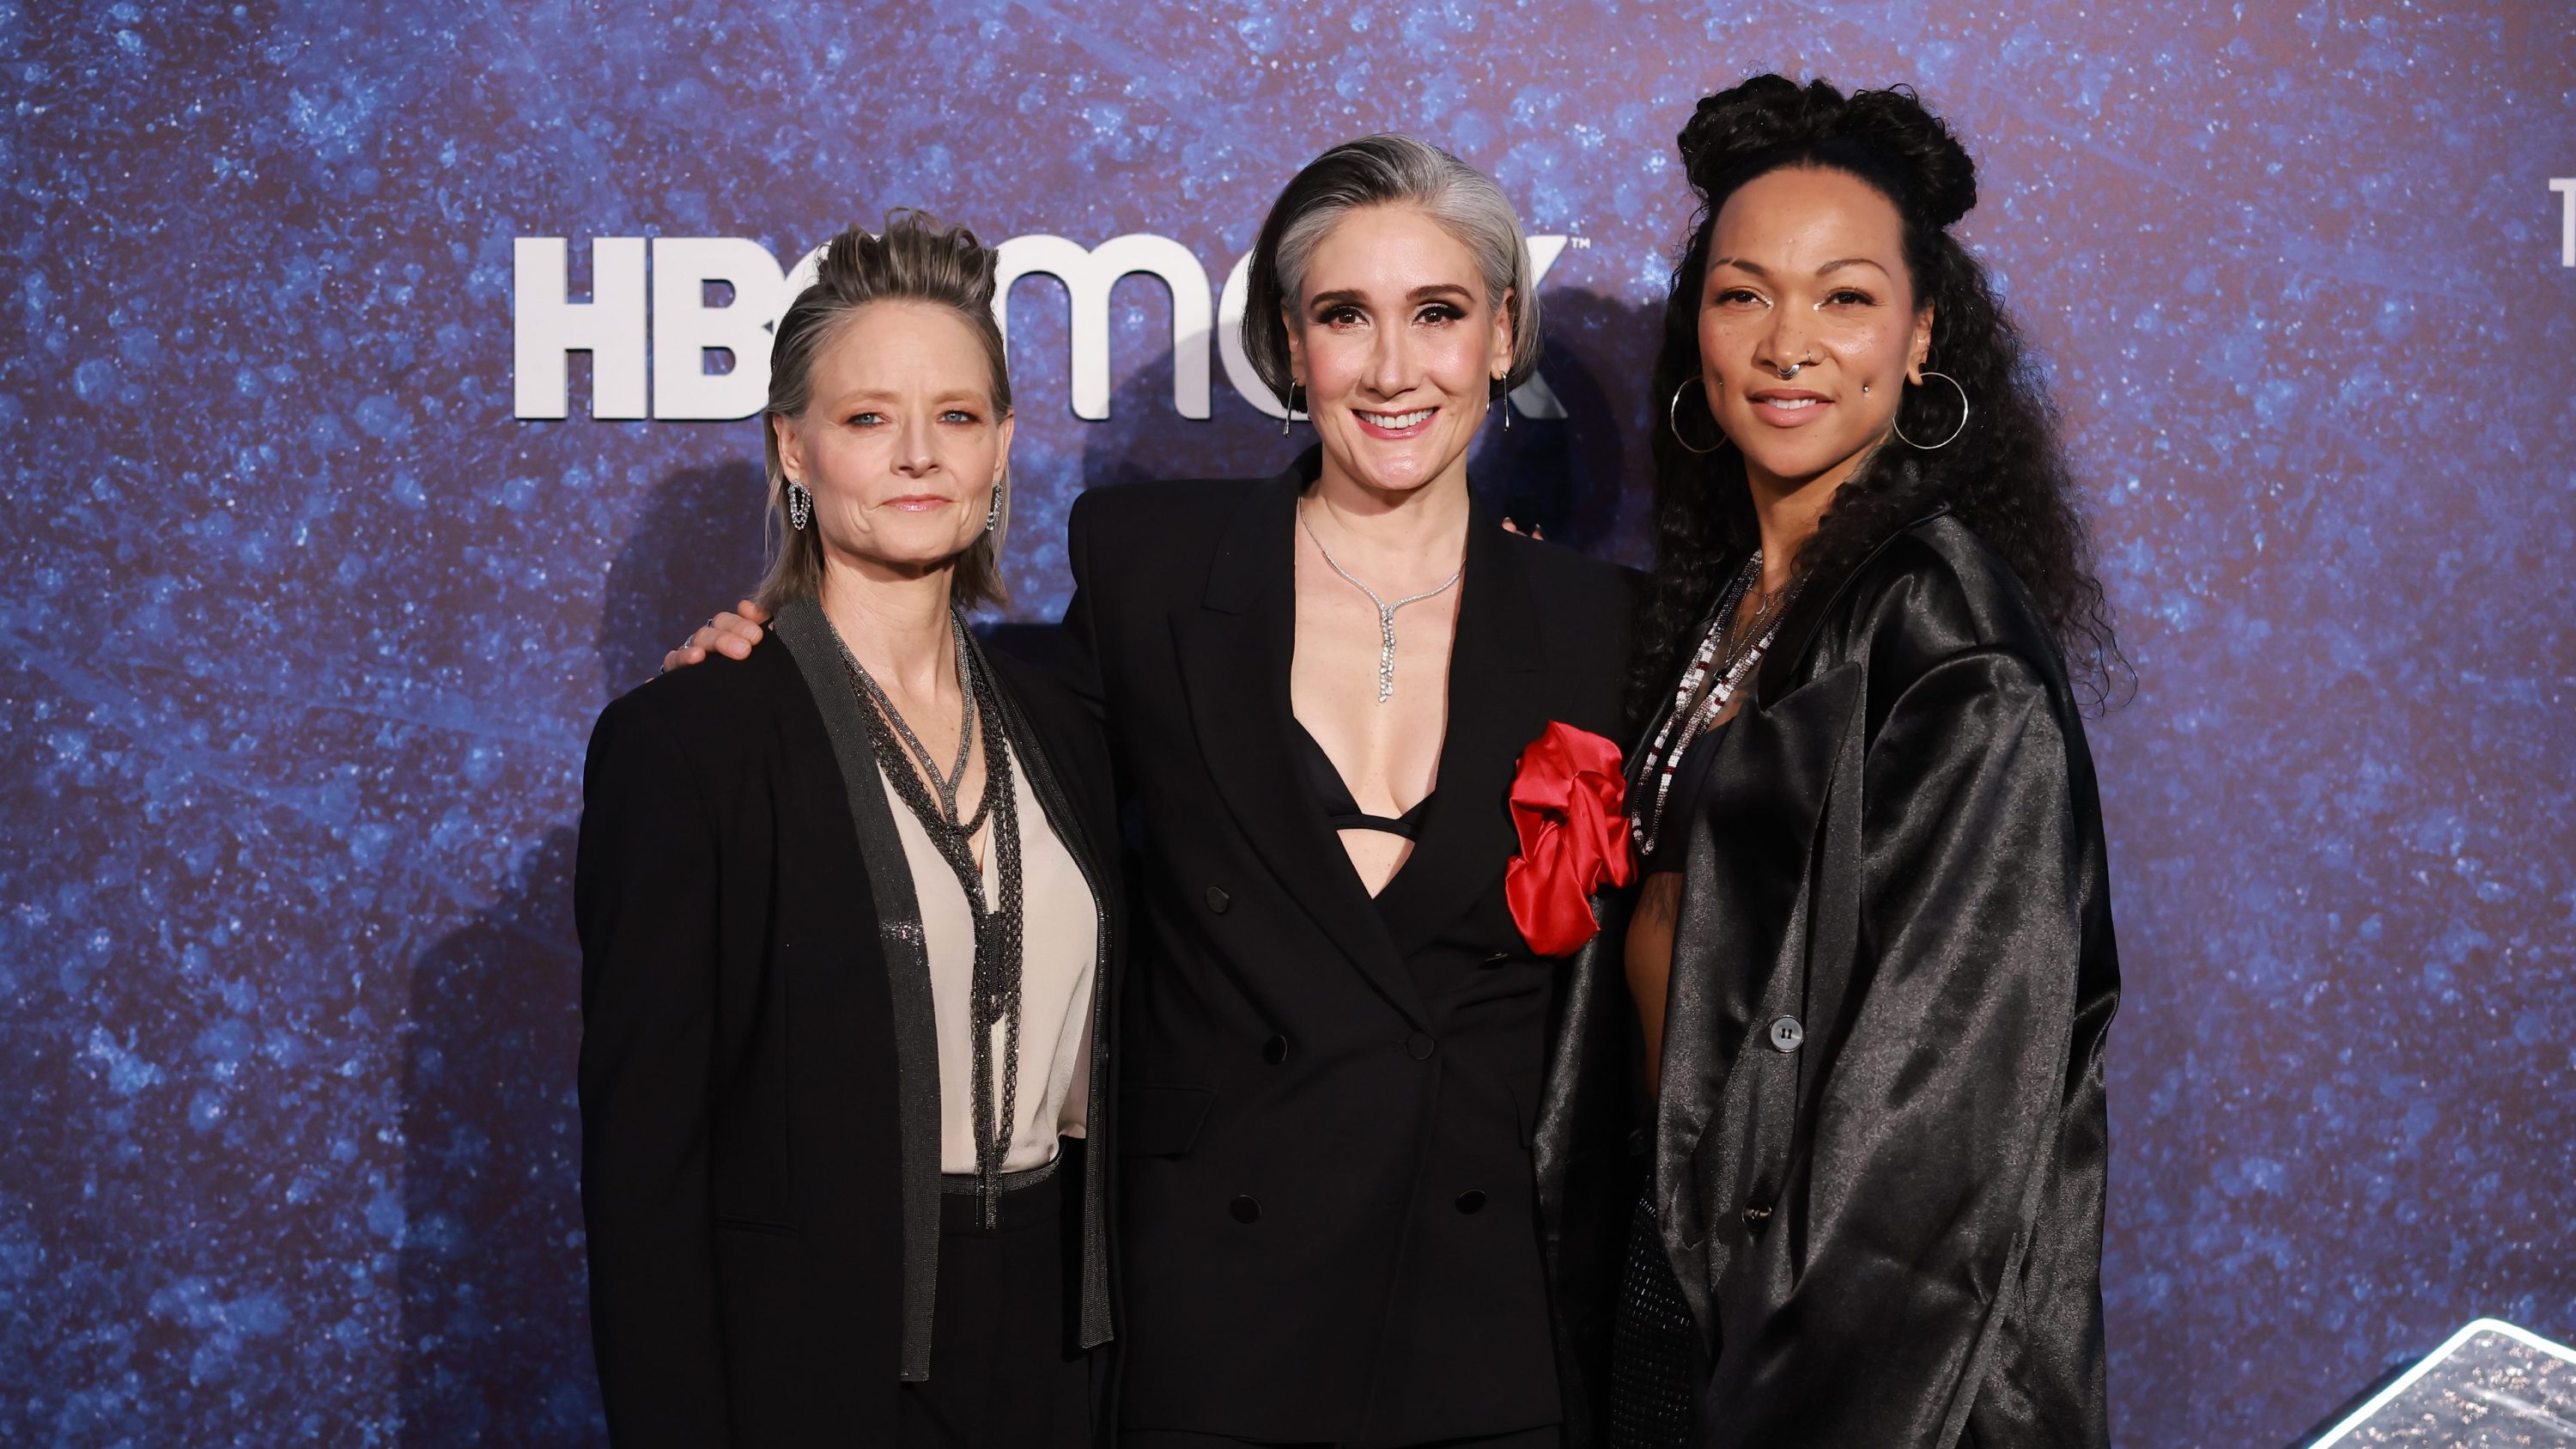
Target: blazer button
1786	1034
1471	1201
1275	1050
1418	1046
1245	1210
1218	900
1755	1215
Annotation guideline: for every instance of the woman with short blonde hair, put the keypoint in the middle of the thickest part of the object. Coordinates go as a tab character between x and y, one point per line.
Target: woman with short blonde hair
846	912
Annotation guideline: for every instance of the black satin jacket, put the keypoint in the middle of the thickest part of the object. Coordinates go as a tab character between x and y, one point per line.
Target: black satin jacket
1881	1139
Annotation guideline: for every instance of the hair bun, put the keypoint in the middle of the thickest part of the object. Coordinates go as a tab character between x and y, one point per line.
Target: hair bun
1755	116
1770	114
1944	176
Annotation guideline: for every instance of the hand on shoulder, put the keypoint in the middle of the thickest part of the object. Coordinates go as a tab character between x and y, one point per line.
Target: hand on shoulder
730	634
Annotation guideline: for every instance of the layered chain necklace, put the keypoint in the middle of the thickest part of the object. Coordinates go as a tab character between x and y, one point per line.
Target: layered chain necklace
1385	610
1725	657
994	998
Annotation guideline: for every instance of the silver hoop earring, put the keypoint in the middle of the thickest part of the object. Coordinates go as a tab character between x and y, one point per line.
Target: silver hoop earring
1291	415
1673	419
1954	432
993	515
800	505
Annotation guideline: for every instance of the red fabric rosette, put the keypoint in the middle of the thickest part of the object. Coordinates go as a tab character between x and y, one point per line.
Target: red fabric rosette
1568	800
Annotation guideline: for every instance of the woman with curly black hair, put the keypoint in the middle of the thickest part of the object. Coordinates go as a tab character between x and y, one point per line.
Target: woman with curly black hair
1872	953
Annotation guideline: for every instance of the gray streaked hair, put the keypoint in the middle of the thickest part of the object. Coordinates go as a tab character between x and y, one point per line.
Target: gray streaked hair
1385	170
914	259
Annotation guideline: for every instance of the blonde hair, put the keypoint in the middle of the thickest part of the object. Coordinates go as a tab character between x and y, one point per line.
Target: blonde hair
915	259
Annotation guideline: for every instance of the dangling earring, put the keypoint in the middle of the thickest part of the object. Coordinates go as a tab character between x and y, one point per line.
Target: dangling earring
1954	432
1505	394
1290	415
993	515
1673	419
800	505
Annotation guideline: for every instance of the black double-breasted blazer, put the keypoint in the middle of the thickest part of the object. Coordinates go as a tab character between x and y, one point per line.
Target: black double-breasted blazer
1326	1196
1881	1137
759	1060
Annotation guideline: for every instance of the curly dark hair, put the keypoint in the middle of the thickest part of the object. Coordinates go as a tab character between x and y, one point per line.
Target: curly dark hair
2005	475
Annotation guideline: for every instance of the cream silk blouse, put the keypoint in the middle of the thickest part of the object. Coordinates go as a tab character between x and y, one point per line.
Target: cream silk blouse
1058	951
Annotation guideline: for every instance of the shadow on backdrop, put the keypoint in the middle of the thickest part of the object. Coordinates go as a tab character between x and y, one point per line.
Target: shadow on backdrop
495	1314
1569	476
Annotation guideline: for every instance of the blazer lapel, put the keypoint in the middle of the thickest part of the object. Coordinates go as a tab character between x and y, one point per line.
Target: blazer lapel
809	638
1779	671
1740	952
1234	653
1500	698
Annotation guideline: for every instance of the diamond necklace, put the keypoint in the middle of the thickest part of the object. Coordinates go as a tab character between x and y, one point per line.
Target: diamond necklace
1385	610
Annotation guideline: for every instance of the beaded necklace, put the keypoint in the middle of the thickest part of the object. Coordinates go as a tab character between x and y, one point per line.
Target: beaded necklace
1723	669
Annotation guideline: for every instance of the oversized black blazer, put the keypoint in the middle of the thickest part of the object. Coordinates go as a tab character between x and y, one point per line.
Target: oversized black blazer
1881	1139
1316	1082
759	1063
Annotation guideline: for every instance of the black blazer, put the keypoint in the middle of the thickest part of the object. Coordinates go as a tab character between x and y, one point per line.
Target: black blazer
1326	1195
1881	1140
759	1061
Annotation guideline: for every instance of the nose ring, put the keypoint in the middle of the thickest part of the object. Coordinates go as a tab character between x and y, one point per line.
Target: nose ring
1793	369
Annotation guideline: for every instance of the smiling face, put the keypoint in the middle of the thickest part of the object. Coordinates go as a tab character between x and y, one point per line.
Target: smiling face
1807	270
900	445
1398	347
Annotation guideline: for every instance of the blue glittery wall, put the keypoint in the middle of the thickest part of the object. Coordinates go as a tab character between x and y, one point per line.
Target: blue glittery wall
304	629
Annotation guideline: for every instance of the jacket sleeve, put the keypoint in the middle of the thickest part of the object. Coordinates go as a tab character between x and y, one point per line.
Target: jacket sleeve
1943	1088
644	902
1078	650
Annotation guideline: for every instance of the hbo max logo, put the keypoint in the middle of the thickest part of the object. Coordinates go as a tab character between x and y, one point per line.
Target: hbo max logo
668	320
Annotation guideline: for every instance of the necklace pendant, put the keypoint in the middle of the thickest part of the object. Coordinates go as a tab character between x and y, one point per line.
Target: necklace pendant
1385	654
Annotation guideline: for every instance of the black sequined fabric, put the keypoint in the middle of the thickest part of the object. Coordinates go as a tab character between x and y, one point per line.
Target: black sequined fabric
1654	1368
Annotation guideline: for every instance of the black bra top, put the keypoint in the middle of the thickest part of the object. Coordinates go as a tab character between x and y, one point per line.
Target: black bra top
1690	789
1339	807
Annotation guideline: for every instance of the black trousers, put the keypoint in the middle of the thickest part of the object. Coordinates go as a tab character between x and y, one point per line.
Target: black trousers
1004	1373
1545	1437
1655	1371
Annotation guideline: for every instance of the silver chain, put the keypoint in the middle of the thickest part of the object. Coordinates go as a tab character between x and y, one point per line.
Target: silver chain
1385	610
995	997
947	785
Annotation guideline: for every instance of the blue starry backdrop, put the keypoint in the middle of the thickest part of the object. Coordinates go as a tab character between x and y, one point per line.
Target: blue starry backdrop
305	627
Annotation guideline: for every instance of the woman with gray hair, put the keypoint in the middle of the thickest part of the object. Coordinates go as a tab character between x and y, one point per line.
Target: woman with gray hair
1317	686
